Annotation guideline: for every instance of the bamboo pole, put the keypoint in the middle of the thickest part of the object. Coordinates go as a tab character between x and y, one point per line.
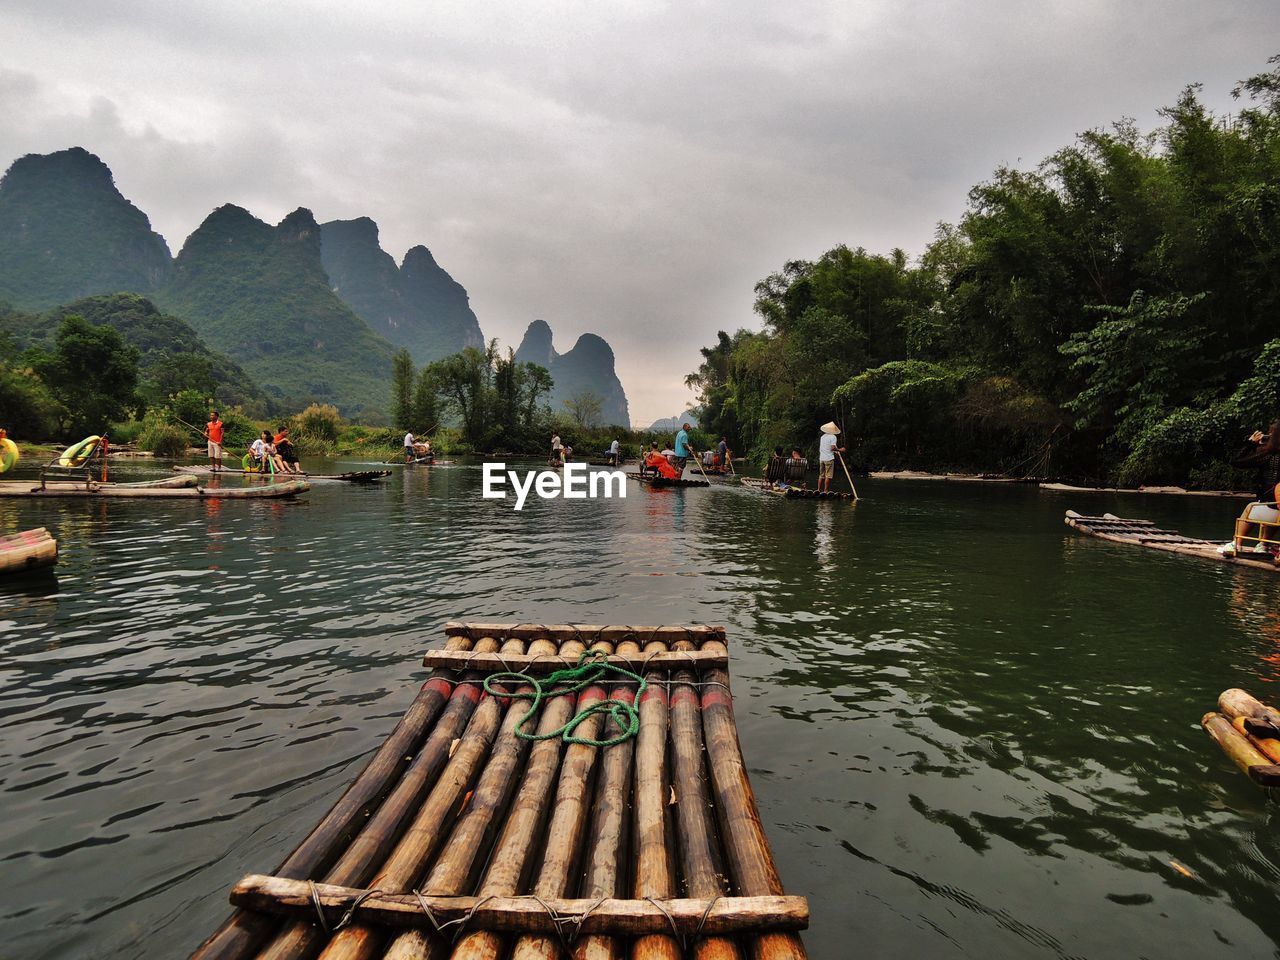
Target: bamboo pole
518	841
566	833
584	632
492	663
1241	751
420	842
464	853
847	476
727	915
703	872
609	826
653	861
374	842
745	845
241	934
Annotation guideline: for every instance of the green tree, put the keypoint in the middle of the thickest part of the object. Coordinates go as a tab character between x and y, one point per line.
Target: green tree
426	402
93	374
585	408
402	390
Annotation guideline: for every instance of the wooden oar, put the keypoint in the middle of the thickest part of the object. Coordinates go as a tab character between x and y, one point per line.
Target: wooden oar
698	461
847	477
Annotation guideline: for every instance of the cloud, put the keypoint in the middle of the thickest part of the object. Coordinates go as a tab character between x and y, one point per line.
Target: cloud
629	169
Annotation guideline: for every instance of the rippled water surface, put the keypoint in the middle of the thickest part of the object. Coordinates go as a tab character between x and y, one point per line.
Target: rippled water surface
971	731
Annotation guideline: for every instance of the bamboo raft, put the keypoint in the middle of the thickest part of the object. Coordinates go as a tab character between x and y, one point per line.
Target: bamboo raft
657	480
1248	731
351	476
1144	533
795	493
180	487
461	839
27	550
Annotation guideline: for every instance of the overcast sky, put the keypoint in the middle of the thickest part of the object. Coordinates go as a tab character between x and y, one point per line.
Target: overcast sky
624	168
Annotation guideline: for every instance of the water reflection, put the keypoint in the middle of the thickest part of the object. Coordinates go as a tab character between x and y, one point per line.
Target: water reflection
968	729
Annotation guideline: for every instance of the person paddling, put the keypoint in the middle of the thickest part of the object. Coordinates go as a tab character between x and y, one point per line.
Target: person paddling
213	435
827	449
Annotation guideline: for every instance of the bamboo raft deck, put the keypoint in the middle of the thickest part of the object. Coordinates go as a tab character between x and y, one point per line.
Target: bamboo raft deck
656	480
1144	533
461	839
795	493
27	550
351	476
1248	731
175	488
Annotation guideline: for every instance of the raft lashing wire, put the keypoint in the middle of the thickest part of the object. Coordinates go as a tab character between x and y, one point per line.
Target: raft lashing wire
554	790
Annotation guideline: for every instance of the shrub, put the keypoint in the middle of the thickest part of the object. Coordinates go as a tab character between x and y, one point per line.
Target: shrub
318	424
162	438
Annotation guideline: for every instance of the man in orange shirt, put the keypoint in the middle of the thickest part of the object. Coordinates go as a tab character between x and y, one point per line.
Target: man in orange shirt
213	434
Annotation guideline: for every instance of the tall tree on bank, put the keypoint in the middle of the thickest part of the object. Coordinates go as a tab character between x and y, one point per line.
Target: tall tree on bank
1109	314
93	374
402	390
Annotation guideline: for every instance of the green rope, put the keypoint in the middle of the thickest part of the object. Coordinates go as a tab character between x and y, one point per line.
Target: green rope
591	668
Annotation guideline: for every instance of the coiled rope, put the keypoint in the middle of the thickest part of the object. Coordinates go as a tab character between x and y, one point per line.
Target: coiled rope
591	669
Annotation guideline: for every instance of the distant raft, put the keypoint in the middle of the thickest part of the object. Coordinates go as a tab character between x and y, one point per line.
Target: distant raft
657	480
795	493
1144	533
351	476
27	550
1248	731
612	818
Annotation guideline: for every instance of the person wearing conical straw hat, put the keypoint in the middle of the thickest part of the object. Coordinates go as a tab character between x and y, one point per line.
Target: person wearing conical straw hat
827	450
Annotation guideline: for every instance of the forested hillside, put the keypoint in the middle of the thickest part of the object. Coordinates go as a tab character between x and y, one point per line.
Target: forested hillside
1111	313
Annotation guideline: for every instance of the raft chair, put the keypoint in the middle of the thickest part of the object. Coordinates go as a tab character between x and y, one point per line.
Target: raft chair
78	463
1258	529
797	471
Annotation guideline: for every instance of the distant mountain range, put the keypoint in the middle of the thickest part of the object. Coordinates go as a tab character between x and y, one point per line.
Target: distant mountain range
672	424
309	312
587	368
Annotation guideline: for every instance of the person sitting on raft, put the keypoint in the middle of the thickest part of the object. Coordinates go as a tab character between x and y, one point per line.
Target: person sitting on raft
797	468
661	465
258	452
775	471
1263	455
285	454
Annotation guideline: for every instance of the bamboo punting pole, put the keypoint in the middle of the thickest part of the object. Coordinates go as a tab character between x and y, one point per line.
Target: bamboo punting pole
464	853
703	873
241	934
420	842
745	845
1241	750
518	841
653	862
728	915
585	632
490	662
567	830
383	829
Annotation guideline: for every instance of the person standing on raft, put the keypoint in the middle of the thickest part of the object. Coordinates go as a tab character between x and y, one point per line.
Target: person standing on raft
683	450
827	451
213	436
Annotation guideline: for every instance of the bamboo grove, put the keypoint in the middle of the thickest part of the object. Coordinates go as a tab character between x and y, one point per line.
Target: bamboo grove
1110	314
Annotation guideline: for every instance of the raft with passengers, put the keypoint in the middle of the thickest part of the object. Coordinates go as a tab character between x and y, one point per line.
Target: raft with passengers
552	791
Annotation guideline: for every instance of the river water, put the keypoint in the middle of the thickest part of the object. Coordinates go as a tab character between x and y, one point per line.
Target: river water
971	731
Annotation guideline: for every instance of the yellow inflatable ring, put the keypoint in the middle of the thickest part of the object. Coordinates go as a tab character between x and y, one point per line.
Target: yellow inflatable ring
78	453
8	454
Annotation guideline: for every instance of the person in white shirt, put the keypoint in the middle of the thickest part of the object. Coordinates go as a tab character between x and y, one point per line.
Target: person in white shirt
827	449
557	450
408	448
615	452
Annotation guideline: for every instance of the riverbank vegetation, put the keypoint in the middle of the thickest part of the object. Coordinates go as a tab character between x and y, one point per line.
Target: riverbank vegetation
1110	314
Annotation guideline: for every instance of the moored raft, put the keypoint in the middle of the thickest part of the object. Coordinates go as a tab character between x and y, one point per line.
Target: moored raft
657	480
1144	533
795	493
1248	731
27	550
174	488
351	476
639	837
